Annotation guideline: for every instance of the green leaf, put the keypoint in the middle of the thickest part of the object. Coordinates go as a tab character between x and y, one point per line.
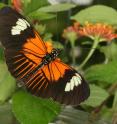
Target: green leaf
6	115
40	28
106	113
110	51
58	45
70	115
57	7
115	103
41	15
2	5
29	109
32	5
97	13
97	96
47	37
106	73
7	83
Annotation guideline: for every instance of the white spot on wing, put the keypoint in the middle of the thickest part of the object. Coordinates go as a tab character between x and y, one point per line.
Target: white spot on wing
18	27
15	32
21	25
78	76
72	84
19	22
67	88
75	81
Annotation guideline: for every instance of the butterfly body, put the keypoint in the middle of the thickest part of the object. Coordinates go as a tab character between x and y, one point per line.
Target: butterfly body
51	56
36	63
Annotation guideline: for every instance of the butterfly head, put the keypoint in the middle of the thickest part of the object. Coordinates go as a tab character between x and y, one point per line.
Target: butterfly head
51	56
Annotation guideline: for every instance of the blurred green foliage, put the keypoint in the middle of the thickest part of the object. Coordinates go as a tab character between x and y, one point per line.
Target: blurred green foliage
7	83
97	13
37	110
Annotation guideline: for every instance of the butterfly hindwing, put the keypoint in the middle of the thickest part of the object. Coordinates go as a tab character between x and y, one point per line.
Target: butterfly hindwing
60	82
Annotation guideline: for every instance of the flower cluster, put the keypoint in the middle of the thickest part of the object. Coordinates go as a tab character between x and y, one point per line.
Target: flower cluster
72	32
101	31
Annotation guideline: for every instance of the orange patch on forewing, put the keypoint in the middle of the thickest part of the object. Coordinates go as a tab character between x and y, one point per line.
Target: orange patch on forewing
34	48
33	58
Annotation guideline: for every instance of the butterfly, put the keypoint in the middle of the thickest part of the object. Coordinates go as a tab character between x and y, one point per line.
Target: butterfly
36	64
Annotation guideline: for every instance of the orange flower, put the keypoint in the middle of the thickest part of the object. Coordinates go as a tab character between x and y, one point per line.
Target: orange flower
101	31
17	5
71	32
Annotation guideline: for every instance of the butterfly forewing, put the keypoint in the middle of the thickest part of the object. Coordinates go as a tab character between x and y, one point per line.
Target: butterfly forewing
25	51
22	43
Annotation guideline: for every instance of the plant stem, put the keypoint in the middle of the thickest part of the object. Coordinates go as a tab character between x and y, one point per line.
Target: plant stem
73	54
96	41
